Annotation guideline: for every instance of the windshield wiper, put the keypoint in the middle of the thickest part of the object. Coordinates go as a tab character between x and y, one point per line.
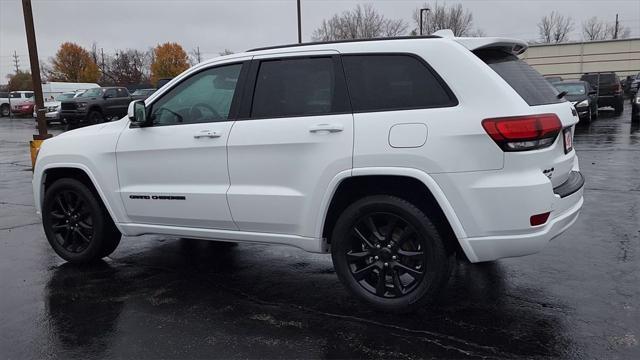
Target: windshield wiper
562	94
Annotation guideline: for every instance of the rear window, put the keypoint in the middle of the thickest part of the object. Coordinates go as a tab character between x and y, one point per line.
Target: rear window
525	80
603	79
393	82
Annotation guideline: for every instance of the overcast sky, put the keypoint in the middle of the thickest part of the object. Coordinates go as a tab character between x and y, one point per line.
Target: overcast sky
214	25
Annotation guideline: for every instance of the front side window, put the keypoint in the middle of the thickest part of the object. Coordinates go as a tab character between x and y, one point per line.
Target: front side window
204	97
298	87
393	82
92	92
121	92
111	93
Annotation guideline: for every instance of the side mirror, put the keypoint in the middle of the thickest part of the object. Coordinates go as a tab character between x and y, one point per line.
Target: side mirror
137	113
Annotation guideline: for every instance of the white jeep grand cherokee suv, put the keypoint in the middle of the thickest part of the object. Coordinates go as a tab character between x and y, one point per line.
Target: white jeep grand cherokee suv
394	155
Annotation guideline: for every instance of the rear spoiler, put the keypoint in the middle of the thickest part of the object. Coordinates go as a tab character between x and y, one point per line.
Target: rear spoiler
513	46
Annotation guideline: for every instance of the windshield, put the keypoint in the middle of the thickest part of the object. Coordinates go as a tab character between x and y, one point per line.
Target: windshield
92	92
571	89
64	96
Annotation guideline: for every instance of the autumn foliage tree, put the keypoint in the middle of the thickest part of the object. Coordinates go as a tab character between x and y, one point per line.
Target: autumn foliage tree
72	63
169	60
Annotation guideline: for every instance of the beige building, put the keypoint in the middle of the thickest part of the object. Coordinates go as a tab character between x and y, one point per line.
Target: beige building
570	60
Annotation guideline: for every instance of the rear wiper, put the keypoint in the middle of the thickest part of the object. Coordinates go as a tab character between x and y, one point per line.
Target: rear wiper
562	94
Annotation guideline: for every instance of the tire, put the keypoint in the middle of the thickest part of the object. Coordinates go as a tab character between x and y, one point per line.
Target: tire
95	117
618	108
5	111
417	264
76	223
589	117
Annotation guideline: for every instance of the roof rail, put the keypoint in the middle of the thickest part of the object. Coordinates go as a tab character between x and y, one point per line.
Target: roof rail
344	41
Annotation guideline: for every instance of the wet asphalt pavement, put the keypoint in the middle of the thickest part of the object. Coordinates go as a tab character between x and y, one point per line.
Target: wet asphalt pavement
162	297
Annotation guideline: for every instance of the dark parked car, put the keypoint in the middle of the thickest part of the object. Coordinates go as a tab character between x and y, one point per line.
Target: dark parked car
142	94
582	96
95	106
633	84
608	88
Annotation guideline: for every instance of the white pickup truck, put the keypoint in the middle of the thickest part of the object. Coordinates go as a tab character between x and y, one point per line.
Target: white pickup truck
5	108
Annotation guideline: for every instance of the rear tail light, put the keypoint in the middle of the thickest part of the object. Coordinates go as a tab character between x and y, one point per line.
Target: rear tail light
521	133
539	219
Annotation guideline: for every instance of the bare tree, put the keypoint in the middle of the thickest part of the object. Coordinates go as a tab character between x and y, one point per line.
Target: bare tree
622	33
597	29
442	16
127	67
363	22
555	28
593	29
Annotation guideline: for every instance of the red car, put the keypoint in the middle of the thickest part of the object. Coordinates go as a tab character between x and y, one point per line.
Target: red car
25	108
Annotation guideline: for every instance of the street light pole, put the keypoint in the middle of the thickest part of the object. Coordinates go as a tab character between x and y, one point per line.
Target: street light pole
299	24
421	11
35	70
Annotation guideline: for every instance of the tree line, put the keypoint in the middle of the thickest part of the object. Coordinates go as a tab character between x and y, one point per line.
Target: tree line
73	63
365	22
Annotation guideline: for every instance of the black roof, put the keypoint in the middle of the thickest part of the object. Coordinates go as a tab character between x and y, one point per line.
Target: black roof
344	41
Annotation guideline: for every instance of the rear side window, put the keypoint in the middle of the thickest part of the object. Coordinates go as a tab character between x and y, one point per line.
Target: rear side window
298	87
393	82
525	80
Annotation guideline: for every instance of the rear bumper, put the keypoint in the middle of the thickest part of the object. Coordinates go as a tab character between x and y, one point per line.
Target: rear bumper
496	247
610	100
495	207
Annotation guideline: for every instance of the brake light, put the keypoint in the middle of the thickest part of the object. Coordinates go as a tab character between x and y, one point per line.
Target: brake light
521	133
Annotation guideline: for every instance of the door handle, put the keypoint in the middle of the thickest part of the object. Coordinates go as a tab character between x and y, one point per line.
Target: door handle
329	128
207	134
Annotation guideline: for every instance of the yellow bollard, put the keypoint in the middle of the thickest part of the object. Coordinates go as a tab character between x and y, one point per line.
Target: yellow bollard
34	146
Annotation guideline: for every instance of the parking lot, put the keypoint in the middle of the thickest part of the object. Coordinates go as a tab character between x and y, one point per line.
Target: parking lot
163	297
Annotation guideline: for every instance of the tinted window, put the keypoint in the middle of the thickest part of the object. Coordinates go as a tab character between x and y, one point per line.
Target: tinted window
298	87
110	93
4	95
525	80
393	82
122	92
204	97
16	95
571	88
28	95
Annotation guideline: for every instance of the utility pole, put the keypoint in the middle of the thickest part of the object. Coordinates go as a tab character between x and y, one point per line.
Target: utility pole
421	11
198	55
299	24
35	76
16	61
615	30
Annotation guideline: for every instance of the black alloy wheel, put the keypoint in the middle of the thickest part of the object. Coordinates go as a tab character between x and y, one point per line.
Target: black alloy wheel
388	253
76	223
72	221
387	256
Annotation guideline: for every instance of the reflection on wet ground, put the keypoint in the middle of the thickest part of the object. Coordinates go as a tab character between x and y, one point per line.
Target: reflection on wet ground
174	298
